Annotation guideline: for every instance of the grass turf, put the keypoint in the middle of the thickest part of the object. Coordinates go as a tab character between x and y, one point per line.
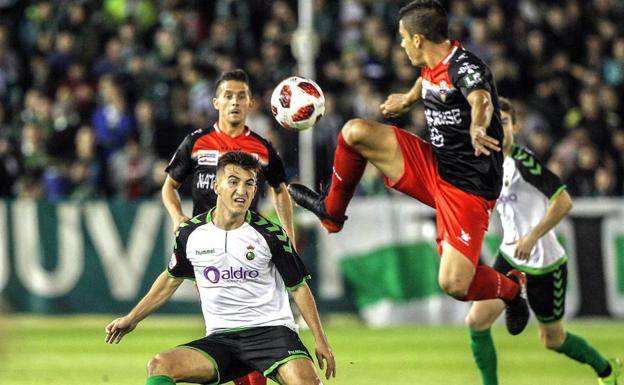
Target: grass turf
71	350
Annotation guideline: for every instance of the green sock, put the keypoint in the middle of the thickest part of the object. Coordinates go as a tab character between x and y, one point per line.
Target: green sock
578	349
159	380
484	355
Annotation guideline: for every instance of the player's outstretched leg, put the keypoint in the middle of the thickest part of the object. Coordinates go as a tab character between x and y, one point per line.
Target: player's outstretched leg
315	202
517	309
330	205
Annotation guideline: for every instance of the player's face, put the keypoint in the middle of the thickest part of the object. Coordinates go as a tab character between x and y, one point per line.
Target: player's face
509	129
410	46
236	188
233	101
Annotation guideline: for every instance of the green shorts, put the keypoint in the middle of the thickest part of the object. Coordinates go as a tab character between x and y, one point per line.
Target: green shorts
546	292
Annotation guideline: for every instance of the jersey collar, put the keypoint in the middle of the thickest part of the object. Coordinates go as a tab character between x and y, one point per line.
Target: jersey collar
209	215
455	45
246	131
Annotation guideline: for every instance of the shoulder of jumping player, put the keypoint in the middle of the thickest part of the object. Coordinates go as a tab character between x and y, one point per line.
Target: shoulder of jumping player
187	227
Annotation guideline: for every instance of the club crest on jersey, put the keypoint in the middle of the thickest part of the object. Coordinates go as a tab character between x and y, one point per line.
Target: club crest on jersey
206	157
444	90
250	254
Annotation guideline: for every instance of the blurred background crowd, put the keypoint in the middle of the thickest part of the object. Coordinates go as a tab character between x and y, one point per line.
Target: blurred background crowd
96	95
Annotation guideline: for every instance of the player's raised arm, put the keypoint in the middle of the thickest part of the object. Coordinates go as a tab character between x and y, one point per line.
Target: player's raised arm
307	306
482	109
163	288
397	104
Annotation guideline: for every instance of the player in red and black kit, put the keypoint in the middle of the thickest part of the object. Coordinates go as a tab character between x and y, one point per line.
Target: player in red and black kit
458	172
199	153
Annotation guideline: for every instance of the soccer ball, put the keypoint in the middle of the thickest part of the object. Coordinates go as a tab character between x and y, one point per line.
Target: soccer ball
297	103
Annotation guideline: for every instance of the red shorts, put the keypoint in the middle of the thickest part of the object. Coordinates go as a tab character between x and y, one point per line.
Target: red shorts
462	218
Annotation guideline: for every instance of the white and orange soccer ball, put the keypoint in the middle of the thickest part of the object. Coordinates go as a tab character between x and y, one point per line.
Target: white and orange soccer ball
297	103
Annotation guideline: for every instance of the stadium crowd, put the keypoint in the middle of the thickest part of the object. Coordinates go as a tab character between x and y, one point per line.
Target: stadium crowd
96	95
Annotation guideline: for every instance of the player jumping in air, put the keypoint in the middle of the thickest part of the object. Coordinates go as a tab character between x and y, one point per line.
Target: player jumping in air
458	172
532	201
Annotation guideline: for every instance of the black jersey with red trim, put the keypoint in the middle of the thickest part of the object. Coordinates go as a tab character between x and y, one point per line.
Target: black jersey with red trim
448	114
198	155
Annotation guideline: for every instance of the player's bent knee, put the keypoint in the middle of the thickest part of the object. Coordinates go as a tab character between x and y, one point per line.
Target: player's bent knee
552	339
456	288
355	131
157	365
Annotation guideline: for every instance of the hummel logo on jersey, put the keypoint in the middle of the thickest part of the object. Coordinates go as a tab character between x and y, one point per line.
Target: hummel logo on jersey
461	57
464	237
204	252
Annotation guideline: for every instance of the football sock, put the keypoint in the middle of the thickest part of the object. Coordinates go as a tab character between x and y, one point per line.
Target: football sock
484	355
349	166
579	350
253	378
489	284
159	380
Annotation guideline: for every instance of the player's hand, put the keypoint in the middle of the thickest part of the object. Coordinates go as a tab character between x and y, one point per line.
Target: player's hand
117	329
482	142
181	219
524	246
326	360
395	105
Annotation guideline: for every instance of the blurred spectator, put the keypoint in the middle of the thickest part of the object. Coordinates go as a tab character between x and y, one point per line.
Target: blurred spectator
155	63
130	171
113	122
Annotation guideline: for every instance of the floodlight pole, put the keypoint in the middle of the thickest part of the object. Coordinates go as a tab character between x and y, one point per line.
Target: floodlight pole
305	48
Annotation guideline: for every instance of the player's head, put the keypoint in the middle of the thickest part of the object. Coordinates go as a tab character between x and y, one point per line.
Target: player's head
233	97
422	22
236	181
509	122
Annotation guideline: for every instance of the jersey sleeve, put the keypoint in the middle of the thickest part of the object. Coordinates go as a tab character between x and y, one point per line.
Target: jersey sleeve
471	74
287	261
274	170
179	265
181	163
535	173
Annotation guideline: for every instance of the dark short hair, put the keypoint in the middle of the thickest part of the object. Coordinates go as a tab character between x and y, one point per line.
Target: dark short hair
241	159
507	106
425	17
237	74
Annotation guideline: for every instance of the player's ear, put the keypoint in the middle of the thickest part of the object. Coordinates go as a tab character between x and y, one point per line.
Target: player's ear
215	103
418	40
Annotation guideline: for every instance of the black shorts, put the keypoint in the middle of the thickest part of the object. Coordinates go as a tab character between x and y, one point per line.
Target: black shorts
261	349
546	292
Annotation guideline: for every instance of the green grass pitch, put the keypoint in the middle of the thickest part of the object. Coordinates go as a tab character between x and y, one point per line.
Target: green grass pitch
70	350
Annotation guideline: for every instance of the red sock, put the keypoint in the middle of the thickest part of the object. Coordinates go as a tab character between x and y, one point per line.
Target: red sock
348	169
253	378
489	284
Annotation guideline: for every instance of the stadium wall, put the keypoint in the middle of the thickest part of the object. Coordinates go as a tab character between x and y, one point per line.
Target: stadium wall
102	256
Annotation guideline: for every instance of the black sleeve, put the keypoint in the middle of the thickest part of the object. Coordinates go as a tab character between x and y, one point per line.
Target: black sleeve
535	173
179	265
274	171
181	164
470	74
286	260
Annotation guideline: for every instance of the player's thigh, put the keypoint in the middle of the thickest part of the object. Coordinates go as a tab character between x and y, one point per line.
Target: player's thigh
184	364
483	314
298	371
377	143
